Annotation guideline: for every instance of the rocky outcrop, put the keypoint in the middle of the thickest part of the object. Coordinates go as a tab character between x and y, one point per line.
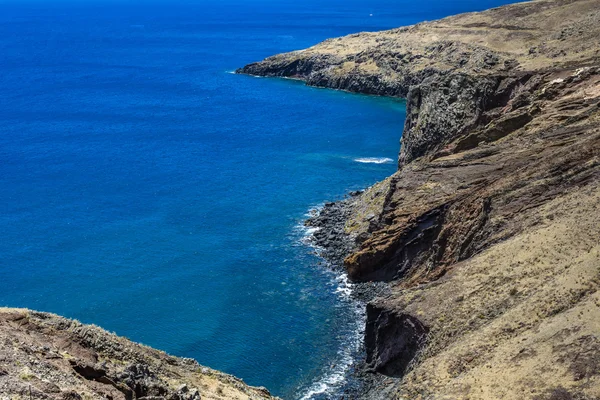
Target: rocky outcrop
501	146
44	356
452	70
330	235
392	339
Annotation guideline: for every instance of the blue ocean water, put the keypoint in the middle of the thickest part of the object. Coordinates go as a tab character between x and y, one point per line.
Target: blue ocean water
146	189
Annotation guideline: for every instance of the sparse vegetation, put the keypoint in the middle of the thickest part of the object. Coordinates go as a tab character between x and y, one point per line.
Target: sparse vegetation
85	362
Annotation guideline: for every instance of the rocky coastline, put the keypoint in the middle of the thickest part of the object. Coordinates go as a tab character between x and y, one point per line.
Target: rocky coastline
486	236
334	244
477	261
45	356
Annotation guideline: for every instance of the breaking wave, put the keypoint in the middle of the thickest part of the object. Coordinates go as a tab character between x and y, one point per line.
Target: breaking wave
374	160
330	382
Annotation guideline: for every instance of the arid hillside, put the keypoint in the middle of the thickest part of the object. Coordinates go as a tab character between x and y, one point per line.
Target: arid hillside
44	356
488	233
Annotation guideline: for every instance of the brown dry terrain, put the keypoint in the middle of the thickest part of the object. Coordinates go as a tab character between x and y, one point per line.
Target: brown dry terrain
489	232
521	319
527	36
44	356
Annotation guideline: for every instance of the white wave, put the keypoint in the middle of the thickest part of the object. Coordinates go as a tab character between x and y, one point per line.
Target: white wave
374	160
314	211
306	233
305	236
344	286
328	384
310	230
331	381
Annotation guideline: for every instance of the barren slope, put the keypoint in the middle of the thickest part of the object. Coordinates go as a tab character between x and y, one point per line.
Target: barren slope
488	232
44	356
520	320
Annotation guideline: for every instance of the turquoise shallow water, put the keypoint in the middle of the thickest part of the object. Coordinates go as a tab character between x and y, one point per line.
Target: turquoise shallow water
146	189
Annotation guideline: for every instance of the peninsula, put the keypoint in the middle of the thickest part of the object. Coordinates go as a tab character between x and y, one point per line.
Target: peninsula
489	232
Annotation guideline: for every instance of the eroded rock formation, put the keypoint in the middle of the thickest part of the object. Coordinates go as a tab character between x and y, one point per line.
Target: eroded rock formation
44	356
489	231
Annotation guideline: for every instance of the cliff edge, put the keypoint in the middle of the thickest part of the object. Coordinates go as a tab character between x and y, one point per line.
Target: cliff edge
44	356
489	232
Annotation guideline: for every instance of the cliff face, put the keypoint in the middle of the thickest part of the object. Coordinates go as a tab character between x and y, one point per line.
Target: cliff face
44	356
488	232
452	70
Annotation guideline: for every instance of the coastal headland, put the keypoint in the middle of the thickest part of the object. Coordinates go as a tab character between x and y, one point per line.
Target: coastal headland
489	232
44	356
487	237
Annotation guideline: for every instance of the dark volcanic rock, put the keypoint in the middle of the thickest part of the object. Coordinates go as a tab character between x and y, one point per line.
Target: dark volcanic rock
330	236
392	340
503	117
335	244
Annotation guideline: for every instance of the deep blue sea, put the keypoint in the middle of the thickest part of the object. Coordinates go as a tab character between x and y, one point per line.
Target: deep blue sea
147	189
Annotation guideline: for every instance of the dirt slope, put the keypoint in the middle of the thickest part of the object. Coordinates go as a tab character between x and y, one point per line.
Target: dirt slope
489	231
44	356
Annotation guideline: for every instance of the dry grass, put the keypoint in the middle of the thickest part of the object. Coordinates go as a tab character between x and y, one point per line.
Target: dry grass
521	316
366	207
565	30
37	352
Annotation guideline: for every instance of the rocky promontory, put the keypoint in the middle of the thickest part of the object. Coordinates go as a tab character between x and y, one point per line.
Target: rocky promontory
489	232
44	356
487	237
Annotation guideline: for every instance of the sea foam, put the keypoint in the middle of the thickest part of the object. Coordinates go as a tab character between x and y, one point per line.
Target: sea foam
330	382
374	160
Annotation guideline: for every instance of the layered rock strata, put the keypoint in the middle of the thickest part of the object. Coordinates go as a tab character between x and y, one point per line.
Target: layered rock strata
488	233
44	356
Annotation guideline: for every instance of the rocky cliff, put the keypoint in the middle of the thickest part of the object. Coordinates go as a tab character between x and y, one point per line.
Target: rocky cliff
489	233
44	356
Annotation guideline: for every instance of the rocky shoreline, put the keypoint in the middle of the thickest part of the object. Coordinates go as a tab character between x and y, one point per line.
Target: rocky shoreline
478	260
334	244
486	236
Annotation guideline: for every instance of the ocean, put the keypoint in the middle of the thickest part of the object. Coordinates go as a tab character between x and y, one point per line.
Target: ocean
147	189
